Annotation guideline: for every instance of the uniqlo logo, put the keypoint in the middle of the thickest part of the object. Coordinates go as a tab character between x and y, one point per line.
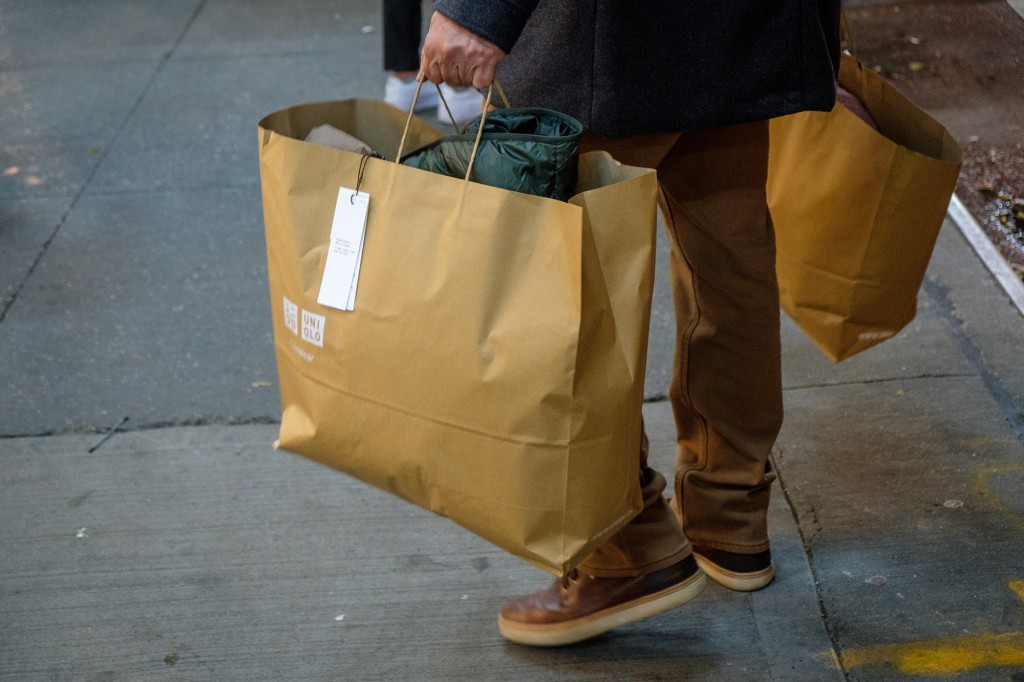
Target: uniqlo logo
291	316
313	328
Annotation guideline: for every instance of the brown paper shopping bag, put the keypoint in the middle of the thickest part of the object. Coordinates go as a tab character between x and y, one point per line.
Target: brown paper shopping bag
492	368
857	212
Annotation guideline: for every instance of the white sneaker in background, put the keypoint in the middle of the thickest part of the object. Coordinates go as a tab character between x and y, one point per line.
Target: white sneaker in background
399	94
464	103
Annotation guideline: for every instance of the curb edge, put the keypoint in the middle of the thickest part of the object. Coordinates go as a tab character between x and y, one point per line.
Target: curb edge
987	252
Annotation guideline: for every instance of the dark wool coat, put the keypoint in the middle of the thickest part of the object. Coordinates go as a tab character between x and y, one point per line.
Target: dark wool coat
625	67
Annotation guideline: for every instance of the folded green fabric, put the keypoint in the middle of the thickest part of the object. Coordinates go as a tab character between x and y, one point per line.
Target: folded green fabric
534	151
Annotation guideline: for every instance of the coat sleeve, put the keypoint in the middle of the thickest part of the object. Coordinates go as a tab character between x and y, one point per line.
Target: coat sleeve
499	21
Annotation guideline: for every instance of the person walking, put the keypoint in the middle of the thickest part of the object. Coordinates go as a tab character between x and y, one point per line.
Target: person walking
686	88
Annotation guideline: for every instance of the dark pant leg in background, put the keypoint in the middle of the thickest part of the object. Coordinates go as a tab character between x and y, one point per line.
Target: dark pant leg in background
402	33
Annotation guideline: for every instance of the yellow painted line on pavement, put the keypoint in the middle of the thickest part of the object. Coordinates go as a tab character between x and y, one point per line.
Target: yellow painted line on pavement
943	656
947	655
950	655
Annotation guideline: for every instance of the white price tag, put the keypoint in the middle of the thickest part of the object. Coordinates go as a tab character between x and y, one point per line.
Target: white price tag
345	251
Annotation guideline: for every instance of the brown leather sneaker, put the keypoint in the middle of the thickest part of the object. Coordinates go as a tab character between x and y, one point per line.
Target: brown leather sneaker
578	607
740	572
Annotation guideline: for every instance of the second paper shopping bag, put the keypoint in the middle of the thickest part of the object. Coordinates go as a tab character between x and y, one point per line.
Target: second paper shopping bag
857	212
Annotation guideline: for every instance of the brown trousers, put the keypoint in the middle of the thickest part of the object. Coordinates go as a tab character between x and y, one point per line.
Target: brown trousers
726	387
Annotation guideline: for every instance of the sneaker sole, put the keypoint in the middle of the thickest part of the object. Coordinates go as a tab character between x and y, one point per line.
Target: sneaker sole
741	582
560	634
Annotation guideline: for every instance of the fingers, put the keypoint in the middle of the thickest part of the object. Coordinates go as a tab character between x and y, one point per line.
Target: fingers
459	76
482	76
430	72
452	75
456	56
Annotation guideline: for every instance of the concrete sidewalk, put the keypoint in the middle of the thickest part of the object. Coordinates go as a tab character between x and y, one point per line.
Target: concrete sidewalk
133	283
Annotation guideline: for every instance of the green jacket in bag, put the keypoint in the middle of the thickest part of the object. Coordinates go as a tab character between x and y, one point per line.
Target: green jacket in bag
534	151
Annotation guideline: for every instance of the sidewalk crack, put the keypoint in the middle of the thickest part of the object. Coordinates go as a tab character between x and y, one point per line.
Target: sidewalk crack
974	355
809	552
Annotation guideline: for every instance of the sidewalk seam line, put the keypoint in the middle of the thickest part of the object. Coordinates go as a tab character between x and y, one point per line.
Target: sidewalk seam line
99	162
881	380
150	426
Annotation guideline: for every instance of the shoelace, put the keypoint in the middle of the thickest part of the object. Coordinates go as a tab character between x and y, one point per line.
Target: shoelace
569	578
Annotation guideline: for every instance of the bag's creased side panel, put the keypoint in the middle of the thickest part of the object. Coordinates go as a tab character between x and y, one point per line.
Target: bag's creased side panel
622	214
619	222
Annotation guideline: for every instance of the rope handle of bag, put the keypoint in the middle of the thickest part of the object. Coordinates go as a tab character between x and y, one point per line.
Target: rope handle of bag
451	117
484	106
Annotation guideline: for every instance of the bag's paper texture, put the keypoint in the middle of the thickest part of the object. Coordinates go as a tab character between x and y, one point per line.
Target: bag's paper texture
493	368
857	212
